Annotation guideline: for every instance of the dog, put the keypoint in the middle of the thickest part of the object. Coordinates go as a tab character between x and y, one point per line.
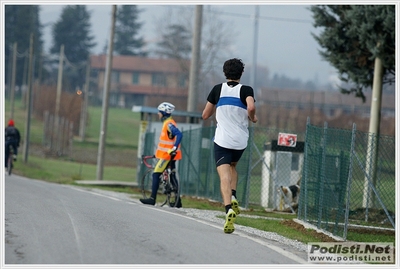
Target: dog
290	196
291	193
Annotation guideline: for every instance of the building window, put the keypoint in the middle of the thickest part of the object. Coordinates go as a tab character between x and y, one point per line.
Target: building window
182	81
158	79
115	76
135	78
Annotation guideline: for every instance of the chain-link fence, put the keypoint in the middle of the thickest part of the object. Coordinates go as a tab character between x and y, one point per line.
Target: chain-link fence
349	179
345	176
258	176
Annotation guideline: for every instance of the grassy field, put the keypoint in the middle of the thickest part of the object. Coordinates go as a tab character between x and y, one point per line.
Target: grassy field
120	151
65	171
120	165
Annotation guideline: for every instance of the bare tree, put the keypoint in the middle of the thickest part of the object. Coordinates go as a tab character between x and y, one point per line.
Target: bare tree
216	40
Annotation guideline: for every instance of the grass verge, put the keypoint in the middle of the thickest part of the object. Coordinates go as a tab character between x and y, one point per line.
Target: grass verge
67	172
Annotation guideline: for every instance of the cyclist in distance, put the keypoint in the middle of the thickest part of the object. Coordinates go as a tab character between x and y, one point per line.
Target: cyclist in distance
234	106
12	137
168	146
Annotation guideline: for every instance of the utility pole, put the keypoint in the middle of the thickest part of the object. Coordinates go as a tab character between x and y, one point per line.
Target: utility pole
40	68
59	82
29	101
58	100
39	78
195	62
104	111
12	89
82	127
373	138
24	80
7	86
253	82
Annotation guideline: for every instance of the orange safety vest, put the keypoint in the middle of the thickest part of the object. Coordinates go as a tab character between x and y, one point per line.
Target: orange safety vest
165	143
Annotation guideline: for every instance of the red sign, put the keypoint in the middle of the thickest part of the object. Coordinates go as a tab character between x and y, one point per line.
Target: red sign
287	140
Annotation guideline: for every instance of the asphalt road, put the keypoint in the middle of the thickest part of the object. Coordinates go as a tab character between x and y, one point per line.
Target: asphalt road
47	223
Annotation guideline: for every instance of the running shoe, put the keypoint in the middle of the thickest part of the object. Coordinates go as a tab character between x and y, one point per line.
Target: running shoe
148	201
235	205
229	220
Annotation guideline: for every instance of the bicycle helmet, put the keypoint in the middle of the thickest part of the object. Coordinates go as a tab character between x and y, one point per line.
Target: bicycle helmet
166	108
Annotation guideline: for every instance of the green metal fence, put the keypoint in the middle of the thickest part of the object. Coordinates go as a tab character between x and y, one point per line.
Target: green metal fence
256	175
348	179
345	178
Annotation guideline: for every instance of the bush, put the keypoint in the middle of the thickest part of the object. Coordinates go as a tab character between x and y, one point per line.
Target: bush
44	99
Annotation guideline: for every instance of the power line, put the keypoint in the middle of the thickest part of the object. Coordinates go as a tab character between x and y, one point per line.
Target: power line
74	66
261	17
20	54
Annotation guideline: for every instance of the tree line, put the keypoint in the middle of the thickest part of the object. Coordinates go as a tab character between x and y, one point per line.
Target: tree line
351	37
73	30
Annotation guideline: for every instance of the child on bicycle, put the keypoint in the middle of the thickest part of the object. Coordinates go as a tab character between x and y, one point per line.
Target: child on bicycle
168	150
12	137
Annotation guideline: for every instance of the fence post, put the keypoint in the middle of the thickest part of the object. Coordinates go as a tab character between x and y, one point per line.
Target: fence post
250	142
71	137
45	126
349	181
64	129
211	167
66	136
206	176
322	175
56	131
60	135
303	189
51	129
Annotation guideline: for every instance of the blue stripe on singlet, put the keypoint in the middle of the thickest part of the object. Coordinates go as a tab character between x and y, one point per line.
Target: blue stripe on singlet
233	101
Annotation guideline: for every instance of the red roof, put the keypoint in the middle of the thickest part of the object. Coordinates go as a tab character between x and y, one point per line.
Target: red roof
142	64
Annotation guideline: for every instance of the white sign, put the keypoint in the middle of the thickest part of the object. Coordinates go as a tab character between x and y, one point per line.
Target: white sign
287	140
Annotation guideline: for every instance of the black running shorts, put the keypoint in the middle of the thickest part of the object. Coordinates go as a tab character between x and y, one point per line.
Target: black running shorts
226	156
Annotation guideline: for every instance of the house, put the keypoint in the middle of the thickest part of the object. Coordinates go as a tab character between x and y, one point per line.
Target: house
329	102
141	81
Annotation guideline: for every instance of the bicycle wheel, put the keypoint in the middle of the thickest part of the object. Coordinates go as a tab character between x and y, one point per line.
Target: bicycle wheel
174	194
9	164
146	182
164	190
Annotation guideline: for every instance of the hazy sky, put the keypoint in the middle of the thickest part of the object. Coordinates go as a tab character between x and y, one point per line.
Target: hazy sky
285	45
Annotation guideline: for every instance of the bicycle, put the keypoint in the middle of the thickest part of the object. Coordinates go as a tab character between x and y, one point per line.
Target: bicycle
10	161
167	188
